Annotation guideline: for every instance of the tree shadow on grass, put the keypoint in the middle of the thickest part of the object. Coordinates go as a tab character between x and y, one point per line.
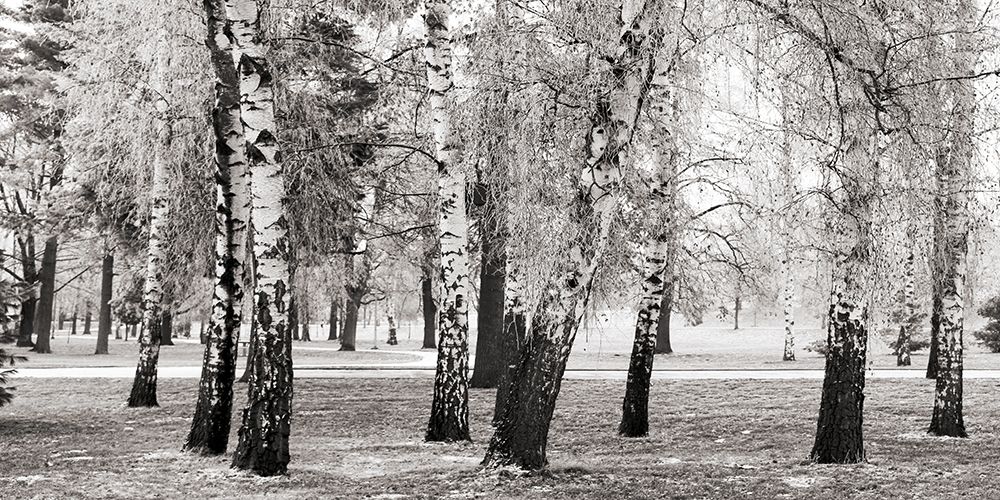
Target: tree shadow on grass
28	427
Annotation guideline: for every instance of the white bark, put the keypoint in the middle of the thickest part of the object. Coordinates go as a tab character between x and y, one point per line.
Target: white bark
953	182
263	444
144	384
449	413
787	214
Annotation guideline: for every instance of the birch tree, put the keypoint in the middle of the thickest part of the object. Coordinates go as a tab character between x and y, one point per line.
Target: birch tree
449	420
951	244
665	49
266	421
522	428
144	385
788	275
213	411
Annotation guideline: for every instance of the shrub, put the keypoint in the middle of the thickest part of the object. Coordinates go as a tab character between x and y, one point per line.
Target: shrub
989	337
818	347
8	302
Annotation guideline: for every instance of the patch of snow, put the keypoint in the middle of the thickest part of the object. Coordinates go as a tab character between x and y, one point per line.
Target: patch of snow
919	435
799	481
30	479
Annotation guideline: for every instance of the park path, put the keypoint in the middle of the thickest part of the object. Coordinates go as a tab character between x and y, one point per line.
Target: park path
424	364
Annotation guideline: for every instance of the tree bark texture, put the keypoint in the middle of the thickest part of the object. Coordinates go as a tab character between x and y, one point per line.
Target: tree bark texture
513	337
839	437
449	419
658	249
266	422
144	385
521	433
210	426
787	219
635	407
87	319
909	287
953	185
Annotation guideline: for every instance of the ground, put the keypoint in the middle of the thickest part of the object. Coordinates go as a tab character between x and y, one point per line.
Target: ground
358	438
73	438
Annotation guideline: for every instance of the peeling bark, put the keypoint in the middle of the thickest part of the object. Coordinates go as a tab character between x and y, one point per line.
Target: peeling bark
839	437
449	420
266	421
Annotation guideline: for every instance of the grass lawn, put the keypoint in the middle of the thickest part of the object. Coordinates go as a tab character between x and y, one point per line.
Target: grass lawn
363	438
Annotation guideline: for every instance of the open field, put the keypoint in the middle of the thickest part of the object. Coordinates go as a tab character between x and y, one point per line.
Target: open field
604	346
71	438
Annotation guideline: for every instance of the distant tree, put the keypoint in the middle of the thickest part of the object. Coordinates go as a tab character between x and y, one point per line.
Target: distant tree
9	303
989	336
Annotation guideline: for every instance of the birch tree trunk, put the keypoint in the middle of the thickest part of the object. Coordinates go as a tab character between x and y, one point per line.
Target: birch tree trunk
144	385
953	179
787	191
266	423
839	436
521	433
664	110
449	420
210	425
937	277
909	286
332	335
